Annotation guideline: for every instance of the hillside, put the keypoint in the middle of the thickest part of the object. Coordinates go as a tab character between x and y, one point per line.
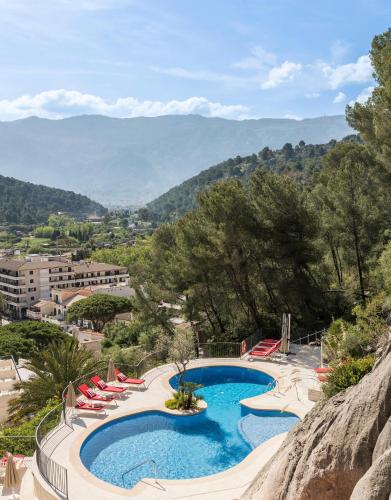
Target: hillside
299	162
125	161
23	202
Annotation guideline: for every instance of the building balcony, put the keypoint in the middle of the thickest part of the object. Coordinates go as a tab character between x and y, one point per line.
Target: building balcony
13	294
9	276
33	315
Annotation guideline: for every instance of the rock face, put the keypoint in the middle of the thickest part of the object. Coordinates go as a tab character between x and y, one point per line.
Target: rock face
341	450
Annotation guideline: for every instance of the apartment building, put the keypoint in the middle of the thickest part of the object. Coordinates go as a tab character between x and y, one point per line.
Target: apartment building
25	282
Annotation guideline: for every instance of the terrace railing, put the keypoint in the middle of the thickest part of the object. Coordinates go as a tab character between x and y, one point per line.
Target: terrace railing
309	338
54	473
219	350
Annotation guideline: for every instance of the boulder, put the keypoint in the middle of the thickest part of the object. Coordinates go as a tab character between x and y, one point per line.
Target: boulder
341	441
376	482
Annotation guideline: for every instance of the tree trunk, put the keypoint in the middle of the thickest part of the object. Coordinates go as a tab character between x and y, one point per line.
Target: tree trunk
358	258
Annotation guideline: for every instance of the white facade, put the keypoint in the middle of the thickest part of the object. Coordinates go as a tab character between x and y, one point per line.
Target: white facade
25	282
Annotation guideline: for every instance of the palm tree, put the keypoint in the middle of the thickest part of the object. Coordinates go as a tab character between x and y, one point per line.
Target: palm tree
53	368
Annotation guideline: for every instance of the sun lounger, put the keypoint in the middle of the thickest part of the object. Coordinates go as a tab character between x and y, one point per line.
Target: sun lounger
93	396
19	460
323	373
101	384
83	405
264	351
266	344
322	370
128	380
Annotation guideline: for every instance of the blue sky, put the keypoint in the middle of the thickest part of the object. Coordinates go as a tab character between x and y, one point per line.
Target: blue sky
230	58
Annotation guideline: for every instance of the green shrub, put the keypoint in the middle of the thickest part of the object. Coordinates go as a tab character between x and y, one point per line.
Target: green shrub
25	444
123	335
184	399
177	402
346	374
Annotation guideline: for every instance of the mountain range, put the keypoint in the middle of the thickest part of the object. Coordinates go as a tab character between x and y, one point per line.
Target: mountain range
134	160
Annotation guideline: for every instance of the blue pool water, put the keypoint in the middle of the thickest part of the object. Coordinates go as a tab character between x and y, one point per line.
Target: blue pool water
188	446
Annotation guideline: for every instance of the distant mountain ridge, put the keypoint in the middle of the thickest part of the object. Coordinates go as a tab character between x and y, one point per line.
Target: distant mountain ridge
125	161
27	203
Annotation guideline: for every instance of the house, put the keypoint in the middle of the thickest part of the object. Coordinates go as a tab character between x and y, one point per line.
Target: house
61	299
89	339
125	318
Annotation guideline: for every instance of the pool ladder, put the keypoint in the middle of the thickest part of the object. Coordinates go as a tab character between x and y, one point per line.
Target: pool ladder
150	461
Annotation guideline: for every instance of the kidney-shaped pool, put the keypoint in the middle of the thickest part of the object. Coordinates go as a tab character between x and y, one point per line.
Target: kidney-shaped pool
188	446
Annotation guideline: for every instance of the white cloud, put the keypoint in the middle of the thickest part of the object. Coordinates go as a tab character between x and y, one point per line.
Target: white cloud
281	74
340	97
195	75
62	103
363	96
259	59
312	95
338	76
339	49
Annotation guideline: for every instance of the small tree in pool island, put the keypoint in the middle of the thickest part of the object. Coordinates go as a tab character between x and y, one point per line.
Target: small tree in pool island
180	350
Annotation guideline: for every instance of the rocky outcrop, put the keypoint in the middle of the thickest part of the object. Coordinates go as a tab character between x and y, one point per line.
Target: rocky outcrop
376	482
341	450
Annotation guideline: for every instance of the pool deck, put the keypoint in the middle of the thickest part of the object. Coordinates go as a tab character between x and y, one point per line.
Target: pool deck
294	375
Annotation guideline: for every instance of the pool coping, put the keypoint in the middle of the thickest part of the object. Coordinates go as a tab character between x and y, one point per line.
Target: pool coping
145	483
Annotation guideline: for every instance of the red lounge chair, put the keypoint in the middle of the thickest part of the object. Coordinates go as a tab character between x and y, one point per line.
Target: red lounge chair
101	384
18	458
266	344
126	380
83	405
323	373
262	352
92	395
322	370
263	347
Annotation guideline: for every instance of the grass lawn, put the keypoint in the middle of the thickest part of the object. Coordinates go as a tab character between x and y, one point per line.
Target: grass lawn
31	241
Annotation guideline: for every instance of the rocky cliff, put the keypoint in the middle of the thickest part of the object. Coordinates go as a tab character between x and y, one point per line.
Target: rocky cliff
341	450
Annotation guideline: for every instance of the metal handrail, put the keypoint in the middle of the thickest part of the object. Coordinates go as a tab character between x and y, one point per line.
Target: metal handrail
307	337
149	461
271	385
11	357
219	349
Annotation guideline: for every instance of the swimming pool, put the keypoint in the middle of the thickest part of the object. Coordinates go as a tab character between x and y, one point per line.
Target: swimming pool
193	445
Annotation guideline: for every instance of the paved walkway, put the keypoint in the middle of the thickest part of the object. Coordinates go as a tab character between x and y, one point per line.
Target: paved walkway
294	375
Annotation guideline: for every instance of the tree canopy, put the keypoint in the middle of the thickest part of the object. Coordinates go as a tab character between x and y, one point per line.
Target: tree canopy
98	308
53	368
299	162
22	338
